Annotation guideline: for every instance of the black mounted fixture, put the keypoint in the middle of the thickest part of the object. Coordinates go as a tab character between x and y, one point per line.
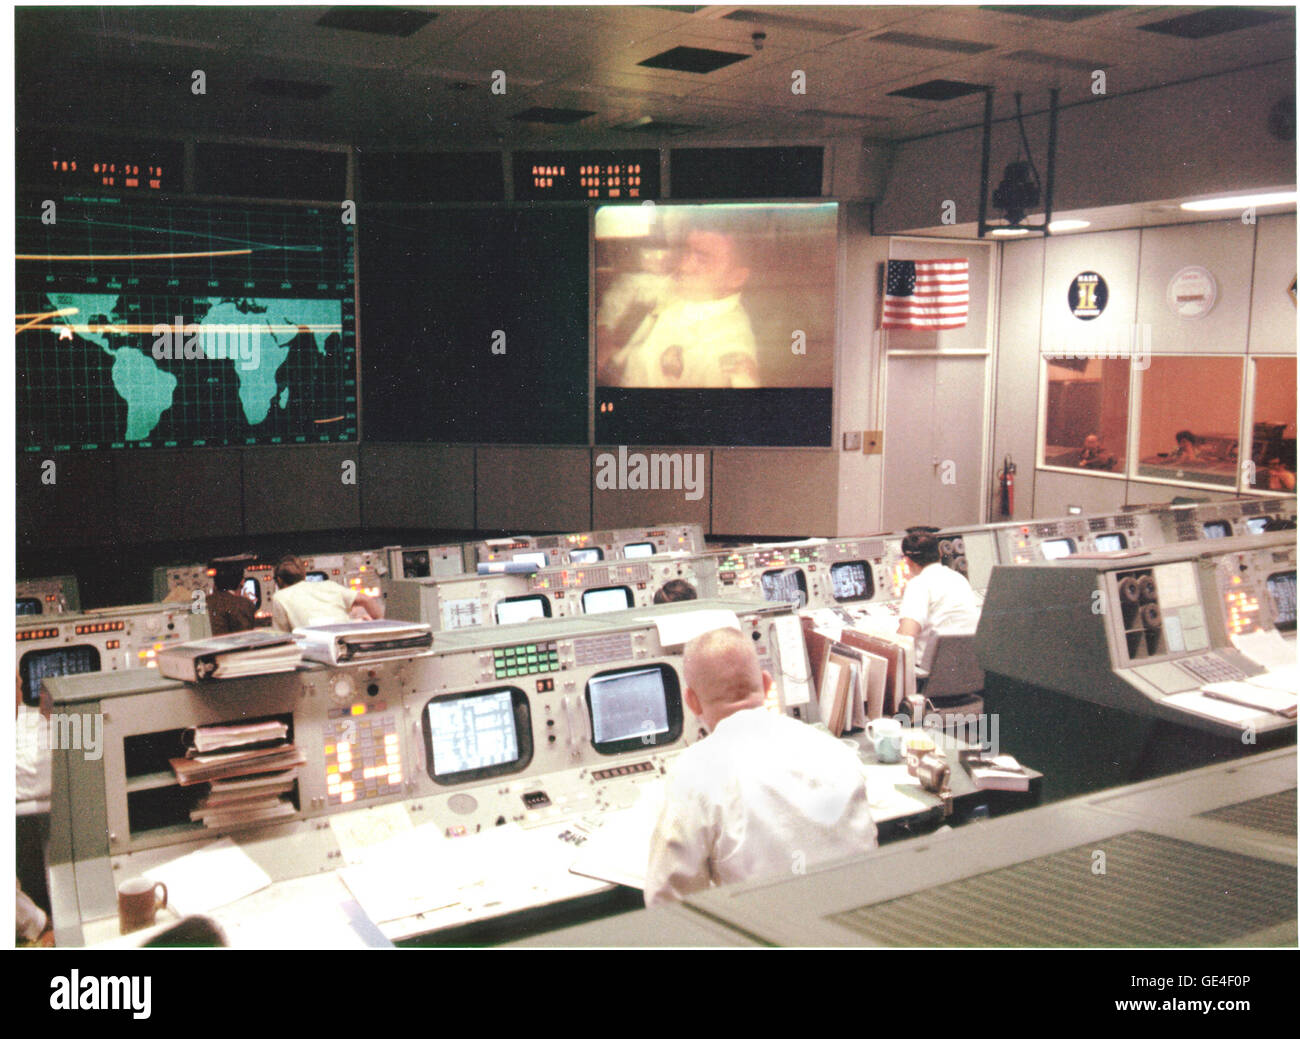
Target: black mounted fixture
1021	187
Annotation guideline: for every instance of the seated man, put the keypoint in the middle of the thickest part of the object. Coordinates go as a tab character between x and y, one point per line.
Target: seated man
676	590
937	599
299	603
228	610
1094	456
762	795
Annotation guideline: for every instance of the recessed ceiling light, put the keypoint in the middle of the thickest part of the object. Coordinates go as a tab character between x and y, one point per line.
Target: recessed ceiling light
1057	226
1009	232
1214	205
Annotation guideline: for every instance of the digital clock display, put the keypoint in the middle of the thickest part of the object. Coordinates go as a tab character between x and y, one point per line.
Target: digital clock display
606	176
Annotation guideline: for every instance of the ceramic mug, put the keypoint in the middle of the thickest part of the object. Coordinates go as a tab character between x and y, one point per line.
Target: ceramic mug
886	735
138	902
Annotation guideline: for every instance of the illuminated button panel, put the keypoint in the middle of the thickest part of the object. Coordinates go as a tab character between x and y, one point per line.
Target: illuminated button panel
363	754
535	658
623	770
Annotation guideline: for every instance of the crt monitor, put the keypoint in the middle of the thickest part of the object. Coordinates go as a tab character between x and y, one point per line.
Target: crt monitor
252	591
1110	542
516	609
28	606
317	575
39	664
415	563
477	735
634	709
538	559
1281	589
1257	524
1058	548
851	582
606	600
785	585
1217	529
579	556
638	550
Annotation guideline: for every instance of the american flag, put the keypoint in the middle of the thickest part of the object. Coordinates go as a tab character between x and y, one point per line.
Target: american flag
926	294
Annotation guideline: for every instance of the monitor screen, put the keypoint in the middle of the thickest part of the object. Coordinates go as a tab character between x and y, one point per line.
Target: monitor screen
851	582
606	600
1217	529
478	735
40	664
415	564
28	606
519	608
788	585
1257	524
639	550
252	590
1281	588
1058	548
317	575
634	708
1111	542
538	559
578	556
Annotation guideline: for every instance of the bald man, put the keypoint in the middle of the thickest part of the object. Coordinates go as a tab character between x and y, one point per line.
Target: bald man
763	795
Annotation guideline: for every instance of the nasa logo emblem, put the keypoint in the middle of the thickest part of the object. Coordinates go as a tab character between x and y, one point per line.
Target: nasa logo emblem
1088	295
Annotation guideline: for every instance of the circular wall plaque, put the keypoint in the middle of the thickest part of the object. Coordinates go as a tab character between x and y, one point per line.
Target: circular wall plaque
1088	295
1192	292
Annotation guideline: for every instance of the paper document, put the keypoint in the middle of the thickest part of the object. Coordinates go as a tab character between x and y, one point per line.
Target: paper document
619	850
1197	702
677	629
213	876
1267	648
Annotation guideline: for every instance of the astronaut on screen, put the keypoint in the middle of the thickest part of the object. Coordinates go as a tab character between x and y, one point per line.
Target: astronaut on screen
695	332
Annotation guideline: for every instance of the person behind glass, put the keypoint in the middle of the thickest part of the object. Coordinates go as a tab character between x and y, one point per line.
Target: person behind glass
228	610
299	603
937	599
1093	455
1275	476
1188	446
676	590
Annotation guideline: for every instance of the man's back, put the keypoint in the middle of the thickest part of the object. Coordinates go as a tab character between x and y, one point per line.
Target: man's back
306	603
762	795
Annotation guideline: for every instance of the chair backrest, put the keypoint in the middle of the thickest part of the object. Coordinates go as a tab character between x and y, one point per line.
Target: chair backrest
953	667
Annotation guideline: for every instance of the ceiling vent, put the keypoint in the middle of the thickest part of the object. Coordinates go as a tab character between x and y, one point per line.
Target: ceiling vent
933	43
938	90
699	60
379	21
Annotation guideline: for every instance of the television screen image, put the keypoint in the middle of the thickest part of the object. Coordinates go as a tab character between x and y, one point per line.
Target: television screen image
1058	548
711	296
578	556
851	582
1217	529
606	600
634	709
1110	542
39	664
639	550
788	585
475	736
517	610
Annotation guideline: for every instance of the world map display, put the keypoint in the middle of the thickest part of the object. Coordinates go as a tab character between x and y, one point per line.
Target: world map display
147	325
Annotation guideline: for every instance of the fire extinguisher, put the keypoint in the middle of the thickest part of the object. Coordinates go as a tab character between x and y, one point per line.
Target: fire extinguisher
1007	486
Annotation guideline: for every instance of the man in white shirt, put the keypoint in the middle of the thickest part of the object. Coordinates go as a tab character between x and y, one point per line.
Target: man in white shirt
299	603
937	599
762	795
699	336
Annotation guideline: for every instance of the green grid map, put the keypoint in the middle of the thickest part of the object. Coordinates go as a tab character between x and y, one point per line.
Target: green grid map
148	324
